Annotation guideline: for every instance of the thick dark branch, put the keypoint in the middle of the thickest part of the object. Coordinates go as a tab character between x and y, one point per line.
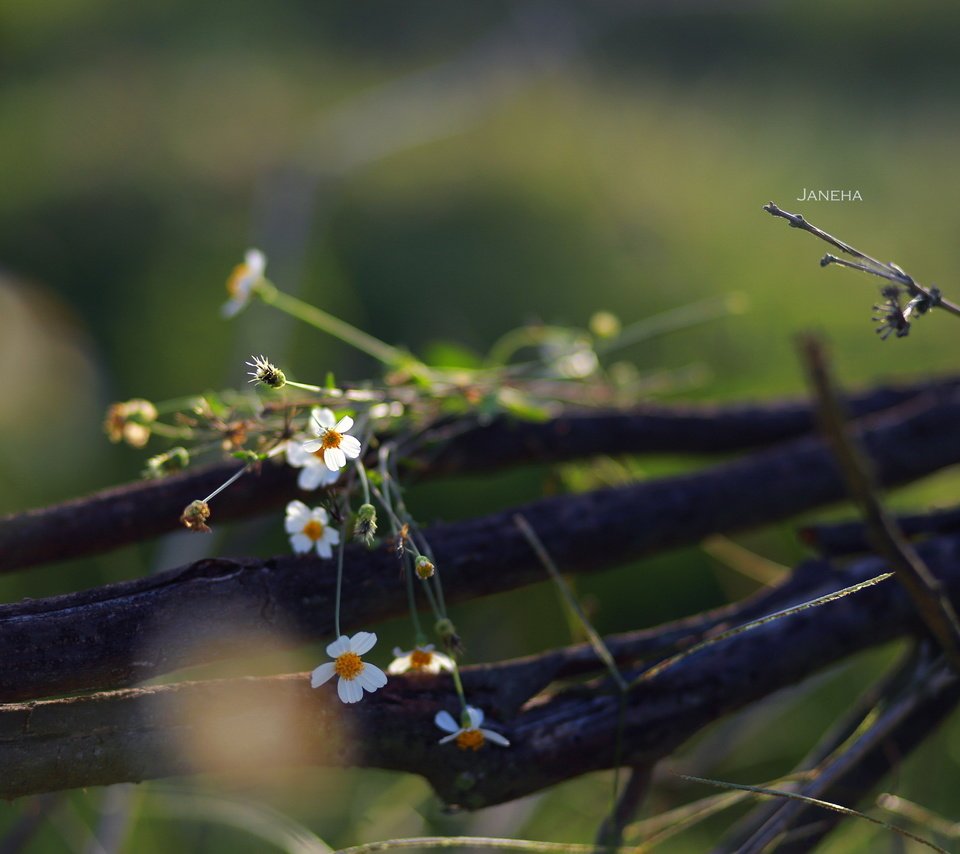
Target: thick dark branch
257	722
138	511
850	538
123	633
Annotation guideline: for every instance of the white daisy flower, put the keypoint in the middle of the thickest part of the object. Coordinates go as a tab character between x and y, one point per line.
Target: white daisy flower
241	281
310	528
356	676
469	735
313	470
332	440
420	659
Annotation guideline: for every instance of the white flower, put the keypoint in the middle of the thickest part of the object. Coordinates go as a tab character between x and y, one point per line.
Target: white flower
332	440
469	735
313	470
420	659
356	676
308	528
241	281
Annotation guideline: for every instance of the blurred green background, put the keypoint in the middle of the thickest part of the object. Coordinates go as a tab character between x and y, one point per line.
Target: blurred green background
443	171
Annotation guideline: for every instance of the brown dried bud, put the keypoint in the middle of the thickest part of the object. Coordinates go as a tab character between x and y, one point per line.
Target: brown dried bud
195	515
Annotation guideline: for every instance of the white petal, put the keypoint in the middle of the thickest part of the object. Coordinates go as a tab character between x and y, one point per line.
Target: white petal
312	446
450	737
332	536
440	662
324	417
320	515
256	261
495	737
232	307
296	456
339	646
334	459
371	678
297	508
344	424
323	549
350	690
301	543
350	446
293	523
362	642
476	717
322	674
445	721
310	477
400	663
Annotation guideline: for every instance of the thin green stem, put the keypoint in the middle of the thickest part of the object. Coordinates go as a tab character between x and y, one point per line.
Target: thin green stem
232	479
306	386
420	637
340	551
595	640
754	624
364	483
322	320
458	685
816	802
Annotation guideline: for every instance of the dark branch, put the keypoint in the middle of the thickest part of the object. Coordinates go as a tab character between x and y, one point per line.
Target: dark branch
139	511
255	722
123	633
850	538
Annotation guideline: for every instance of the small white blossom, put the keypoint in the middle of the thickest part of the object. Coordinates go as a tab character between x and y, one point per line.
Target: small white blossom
310	528
469	735
420	659
313	470
241	282
332	439
356	675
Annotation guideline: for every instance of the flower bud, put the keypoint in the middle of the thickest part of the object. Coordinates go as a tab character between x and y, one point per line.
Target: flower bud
195	515
366	525
424	567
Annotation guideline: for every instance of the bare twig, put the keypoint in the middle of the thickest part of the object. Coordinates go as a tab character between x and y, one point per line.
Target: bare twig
886	270
927	594
138	511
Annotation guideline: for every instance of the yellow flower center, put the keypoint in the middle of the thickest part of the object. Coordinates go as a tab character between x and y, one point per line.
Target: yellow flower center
313	529
420	659
348	665
330	439
241	271
470	739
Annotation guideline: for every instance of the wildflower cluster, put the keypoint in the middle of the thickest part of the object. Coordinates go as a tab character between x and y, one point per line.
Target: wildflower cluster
343	442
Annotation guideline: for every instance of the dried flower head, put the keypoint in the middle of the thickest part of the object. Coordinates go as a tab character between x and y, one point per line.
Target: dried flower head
266	373
195	515
130	422
365	526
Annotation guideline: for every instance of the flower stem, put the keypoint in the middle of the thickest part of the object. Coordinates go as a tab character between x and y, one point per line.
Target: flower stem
336	606
234	477
380	350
